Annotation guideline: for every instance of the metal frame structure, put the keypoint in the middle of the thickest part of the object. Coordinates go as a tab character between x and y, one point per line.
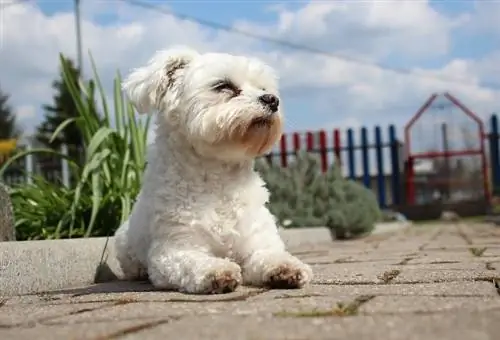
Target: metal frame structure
411	157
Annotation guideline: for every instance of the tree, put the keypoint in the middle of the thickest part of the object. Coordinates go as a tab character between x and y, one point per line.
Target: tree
62	108
8	125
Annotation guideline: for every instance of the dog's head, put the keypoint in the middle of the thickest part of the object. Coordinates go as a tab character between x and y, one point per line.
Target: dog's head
227	106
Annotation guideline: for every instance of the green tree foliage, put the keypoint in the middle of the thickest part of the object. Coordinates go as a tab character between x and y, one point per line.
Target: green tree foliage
64	107
301	195
8	125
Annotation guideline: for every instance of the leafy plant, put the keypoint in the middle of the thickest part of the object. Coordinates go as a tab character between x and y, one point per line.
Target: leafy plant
106	182
301	195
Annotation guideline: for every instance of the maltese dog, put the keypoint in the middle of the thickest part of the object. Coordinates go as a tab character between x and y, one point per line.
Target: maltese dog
200	224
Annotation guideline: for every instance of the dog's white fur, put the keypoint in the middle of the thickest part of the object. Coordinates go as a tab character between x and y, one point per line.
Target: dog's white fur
200	224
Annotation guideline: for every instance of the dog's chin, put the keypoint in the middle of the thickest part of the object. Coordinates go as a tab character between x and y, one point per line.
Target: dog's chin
261	122
245	140
259	136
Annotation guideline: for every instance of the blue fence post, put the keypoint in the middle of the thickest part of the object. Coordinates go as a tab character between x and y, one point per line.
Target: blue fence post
350	154
365	157
395	171
380	168
494	154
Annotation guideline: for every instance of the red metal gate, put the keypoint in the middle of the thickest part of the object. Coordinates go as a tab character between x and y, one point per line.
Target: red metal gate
445	152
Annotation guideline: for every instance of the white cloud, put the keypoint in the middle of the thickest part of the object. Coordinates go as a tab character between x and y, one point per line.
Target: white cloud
485	18
487	69
368	30
319	89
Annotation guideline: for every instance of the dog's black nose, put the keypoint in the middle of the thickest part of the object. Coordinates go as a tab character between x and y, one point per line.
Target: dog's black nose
270	101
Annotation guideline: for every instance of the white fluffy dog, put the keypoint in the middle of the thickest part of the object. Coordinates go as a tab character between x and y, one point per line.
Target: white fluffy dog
200	224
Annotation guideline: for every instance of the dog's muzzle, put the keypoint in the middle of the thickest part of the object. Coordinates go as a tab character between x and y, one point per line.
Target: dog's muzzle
265	120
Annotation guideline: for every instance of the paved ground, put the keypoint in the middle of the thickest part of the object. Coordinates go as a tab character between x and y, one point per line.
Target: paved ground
427	282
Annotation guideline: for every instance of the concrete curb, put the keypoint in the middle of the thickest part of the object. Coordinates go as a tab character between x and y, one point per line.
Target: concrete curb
388	227
28	267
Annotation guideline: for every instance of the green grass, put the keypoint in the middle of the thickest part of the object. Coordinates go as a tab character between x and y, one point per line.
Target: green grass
340	310
106	183
478	252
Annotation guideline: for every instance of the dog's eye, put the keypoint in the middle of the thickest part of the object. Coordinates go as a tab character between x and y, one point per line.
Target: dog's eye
225	85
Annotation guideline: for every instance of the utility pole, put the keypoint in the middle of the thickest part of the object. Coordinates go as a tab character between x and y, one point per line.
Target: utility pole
78	37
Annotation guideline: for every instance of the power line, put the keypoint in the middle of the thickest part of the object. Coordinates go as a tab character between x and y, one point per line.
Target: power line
298	47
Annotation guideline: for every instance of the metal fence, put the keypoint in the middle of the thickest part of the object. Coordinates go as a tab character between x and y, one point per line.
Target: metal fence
51	167
374	157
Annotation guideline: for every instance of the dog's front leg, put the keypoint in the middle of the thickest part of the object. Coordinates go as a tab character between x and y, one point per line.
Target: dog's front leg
265	261
191	268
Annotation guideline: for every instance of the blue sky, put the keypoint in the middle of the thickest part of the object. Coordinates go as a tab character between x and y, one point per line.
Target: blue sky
457	40
465	44
223	11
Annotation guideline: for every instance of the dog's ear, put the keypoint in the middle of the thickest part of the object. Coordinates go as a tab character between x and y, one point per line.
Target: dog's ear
147	86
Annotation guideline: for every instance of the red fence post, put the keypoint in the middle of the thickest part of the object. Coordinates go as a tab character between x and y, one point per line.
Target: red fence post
283	151
310	141
323	151
296	142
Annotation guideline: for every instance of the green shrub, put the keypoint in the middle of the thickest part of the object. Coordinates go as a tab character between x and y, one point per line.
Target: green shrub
301	195
293	191
107	182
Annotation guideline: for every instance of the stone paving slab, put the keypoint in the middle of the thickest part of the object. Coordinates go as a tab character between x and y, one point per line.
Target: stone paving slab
423	275
428	304
394	286
446	326
29	315
442	326
93	330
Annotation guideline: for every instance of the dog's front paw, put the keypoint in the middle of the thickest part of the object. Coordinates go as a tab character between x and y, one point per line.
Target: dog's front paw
288	275
220	280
